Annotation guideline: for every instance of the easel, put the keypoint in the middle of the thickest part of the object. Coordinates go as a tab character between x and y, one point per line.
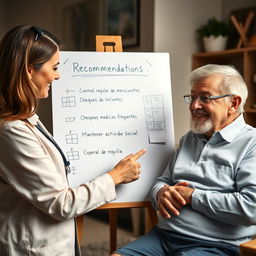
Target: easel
114	44
151	218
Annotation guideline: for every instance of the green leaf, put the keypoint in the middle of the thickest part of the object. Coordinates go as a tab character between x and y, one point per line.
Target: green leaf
214	27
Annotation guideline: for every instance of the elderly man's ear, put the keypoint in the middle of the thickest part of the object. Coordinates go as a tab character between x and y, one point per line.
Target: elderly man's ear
234	104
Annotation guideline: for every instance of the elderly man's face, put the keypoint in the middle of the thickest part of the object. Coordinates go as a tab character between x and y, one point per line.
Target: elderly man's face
207	118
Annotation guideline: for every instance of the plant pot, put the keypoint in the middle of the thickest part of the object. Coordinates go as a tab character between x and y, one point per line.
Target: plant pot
213	44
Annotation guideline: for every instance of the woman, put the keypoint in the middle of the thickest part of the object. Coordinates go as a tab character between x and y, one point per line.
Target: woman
37	206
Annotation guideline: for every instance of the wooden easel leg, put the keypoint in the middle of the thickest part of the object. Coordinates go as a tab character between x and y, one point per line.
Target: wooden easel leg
135	214
150	218
113	229
80	222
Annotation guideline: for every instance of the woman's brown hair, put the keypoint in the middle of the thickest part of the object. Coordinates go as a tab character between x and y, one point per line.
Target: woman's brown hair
20	47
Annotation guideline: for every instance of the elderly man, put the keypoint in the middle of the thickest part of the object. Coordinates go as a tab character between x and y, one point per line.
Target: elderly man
206	198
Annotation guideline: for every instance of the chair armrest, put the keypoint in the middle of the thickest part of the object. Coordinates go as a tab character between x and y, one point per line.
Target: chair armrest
248	248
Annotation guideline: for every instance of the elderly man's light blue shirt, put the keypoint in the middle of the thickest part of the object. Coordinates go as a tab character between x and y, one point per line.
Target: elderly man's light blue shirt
223	172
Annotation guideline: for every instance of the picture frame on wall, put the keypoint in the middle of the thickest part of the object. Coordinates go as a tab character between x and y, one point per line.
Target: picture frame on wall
81	22
122	18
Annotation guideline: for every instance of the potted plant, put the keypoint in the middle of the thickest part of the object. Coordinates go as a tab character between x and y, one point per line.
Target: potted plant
214	34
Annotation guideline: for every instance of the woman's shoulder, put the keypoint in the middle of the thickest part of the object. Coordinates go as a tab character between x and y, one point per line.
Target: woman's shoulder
15	127
7	125
19	124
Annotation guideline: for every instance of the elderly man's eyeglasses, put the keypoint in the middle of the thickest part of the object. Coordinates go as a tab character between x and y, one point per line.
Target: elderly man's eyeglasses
203	99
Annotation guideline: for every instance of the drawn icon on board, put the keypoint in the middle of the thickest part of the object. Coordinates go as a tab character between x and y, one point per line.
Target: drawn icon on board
68	91
73	155
64	63
69	101
155	120
73	169
71	138
70	119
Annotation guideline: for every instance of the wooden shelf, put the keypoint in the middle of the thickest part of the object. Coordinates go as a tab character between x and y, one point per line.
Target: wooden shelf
226	53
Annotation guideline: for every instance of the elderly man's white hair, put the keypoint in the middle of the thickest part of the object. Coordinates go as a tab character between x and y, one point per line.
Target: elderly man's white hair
231	83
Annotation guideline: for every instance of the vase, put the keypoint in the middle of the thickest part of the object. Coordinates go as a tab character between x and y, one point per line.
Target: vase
213	44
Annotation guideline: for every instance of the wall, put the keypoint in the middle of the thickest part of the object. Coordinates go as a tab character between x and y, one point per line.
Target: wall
174	28
30	11
2	16
229	5
48	14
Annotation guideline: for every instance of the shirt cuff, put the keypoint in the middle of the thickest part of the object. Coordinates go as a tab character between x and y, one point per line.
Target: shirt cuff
154	192
111	186
197	198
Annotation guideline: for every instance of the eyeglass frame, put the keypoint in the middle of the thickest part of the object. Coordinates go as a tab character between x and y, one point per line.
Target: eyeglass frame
205	99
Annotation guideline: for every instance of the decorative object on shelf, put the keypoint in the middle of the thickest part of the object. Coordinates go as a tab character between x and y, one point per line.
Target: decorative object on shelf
244	21
213	44
214	35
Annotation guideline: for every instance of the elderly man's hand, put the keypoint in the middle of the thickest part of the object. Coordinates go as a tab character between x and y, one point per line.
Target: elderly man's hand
173	198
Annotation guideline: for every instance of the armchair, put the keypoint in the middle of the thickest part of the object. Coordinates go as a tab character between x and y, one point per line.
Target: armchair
248	248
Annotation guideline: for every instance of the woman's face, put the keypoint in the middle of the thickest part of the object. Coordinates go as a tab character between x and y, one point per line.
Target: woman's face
43	77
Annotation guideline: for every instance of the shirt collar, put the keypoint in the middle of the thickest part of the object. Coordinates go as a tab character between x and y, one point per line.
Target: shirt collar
229	132
33	119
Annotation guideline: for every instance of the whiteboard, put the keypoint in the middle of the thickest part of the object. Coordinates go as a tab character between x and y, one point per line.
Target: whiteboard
107	105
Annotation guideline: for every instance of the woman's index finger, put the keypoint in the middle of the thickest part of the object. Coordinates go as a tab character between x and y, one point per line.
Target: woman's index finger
138	154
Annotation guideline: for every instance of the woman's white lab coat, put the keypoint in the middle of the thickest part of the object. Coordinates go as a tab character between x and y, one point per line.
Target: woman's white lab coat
37	206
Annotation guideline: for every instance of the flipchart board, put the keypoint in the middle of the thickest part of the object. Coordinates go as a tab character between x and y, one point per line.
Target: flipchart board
107	105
